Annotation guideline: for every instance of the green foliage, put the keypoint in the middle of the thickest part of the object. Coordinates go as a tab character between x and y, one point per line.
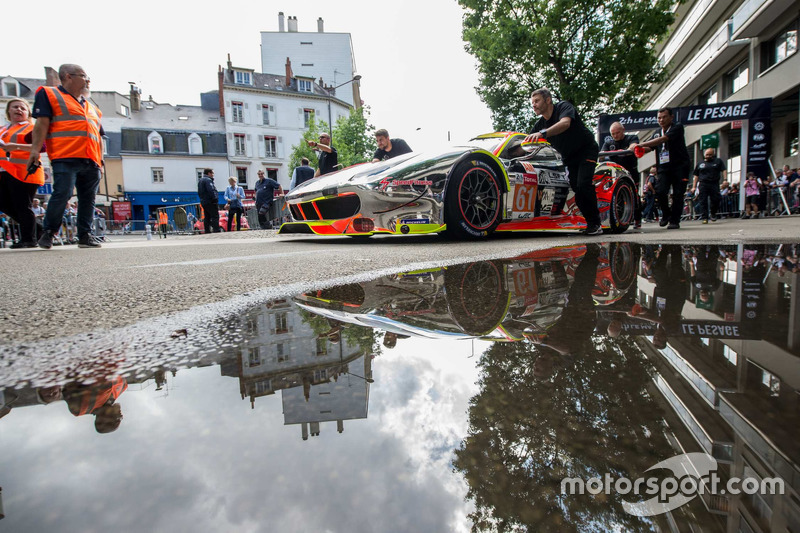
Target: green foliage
302	149
353	137
598	54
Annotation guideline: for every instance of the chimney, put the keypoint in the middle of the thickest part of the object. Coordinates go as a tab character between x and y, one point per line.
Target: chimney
320	25
221	79
230	65
136	97
51	77
292	24
280	22
289	73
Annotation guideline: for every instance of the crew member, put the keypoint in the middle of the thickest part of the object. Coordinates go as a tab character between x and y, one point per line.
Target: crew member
707	174
562	126
621	141
389	148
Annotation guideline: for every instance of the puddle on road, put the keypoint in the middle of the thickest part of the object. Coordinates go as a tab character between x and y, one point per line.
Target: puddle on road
439	400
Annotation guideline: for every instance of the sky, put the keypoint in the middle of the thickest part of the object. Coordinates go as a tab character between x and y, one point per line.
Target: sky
416	76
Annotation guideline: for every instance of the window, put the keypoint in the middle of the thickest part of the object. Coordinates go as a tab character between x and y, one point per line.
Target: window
271	146
262	387
124	110
239	144
198	173
776	50
10	89
791	148
322	346
237	112
241	175
119	187
308	116
266	109
154	143
304	86
731	356
242	78
711	96
195	144
272	173
281	323
281	353
105	145
158	174
737	78
734	169
253	357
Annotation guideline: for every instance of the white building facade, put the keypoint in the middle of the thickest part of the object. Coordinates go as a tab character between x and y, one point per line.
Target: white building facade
327	57
723	51
266	115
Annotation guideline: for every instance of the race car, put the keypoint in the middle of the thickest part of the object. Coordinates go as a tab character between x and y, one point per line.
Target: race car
497	183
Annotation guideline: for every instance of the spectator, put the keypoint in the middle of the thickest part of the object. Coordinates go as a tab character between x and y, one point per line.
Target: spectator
38	211
562	126
648	213
672	161
17	184
209	200
300	174
71	126
265	195
707	175
388	148
328	157
234	195
620	141
190	221
752	194
724	188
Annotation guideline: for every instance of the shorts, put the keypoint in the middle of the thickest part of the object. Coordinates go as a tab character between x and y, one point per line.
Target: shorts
753	199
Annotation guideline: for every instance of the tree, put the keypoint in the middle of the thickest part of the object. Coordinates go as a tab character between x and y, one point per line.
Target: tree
353	137
302	149
598	54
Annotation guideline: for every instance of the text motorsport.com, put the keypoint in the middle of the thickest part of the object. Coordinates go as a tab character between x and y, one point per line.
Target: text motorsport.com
694	474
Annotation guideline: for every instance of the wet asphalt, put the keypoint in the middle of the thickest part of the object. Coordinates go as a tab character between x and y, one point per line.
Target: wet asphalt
162	284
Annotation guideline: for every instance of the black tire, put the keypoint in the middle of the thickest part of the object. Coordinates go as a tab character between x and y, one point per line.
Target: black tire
623	206
476	296
623	260
473	203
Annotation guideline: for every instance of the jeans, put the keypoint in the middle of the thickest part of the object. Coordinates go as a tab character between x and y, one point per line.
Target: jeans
708	191
649	203
676	178
81	175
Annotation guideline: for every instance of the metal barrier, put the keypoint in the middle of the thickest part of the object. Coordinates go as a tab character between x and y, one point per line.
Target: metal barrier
728	207
181	219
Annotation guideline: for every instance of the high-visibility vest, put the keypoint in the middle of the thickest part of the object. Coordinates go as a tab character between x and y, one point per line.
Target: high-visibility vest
74	128
15	162
95	396
162	218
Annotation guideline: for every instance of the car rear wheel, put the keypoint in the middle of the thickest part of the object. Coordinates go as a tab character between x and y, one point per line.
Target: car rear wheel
473	205
622	206
476	296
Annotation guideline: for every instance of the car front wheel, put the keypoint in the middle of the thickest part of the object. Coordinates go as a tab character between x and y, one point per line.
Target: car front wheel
472	204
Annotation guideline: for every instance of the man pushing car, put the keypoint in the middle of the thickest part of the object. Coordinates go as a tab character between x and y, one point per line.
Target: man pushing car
561	125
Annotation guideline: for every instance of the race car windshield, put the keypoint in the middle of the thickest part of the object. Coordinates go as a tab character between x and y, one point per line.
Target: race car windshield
489	144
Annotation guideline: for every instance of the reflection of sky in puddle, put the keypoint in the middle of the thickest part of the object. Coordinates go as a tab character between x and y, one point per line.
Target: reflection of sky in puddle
445	427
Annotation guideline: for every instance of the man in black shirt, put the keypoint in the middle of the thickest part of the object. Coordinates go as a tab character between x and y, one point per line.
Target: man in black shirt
708	174
562	126
328	157
389	148
672	161
620	141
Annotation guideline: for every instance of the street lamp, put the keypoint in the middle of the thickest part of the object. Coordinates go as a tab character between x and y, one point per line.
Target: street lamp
330	127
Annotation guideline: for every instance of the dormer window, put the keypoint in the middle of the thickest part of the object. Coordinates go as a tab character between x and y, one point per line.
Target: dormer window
10	87
195	144
304	86
155	143
242	78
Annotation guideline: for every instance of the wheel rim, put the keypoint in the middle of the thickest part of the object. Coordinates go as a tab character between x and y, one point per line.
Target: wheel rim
623	205
482	280
478	198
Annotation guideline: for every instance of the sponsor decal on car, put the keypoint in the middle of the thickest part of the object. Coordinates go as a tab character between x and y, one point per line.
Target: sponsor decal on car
393	182
415	221
549	177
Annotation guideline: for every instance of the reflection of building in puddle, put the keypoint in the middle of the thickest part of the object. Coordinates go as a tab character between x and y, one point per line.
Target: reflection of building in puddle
729	381
282	352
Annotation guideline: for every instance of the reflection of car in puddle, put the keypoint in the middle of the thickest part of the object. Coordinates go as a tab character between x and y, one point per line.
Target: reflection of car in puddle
494	299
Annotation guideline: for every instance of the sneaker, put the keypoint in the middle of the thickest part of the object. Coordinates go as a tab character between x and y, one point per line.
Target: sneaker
705	221
745	216
663	222
714	219
88	242
674	226
20	244
46	240
637	225
594	230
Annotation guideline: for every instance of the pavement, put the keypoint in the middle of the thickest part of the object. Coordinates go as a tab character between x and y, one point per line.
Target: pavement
54	295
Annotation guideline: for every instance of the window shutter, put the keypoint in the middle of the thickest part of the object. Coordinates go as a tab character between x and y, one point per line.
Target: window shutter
262	151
